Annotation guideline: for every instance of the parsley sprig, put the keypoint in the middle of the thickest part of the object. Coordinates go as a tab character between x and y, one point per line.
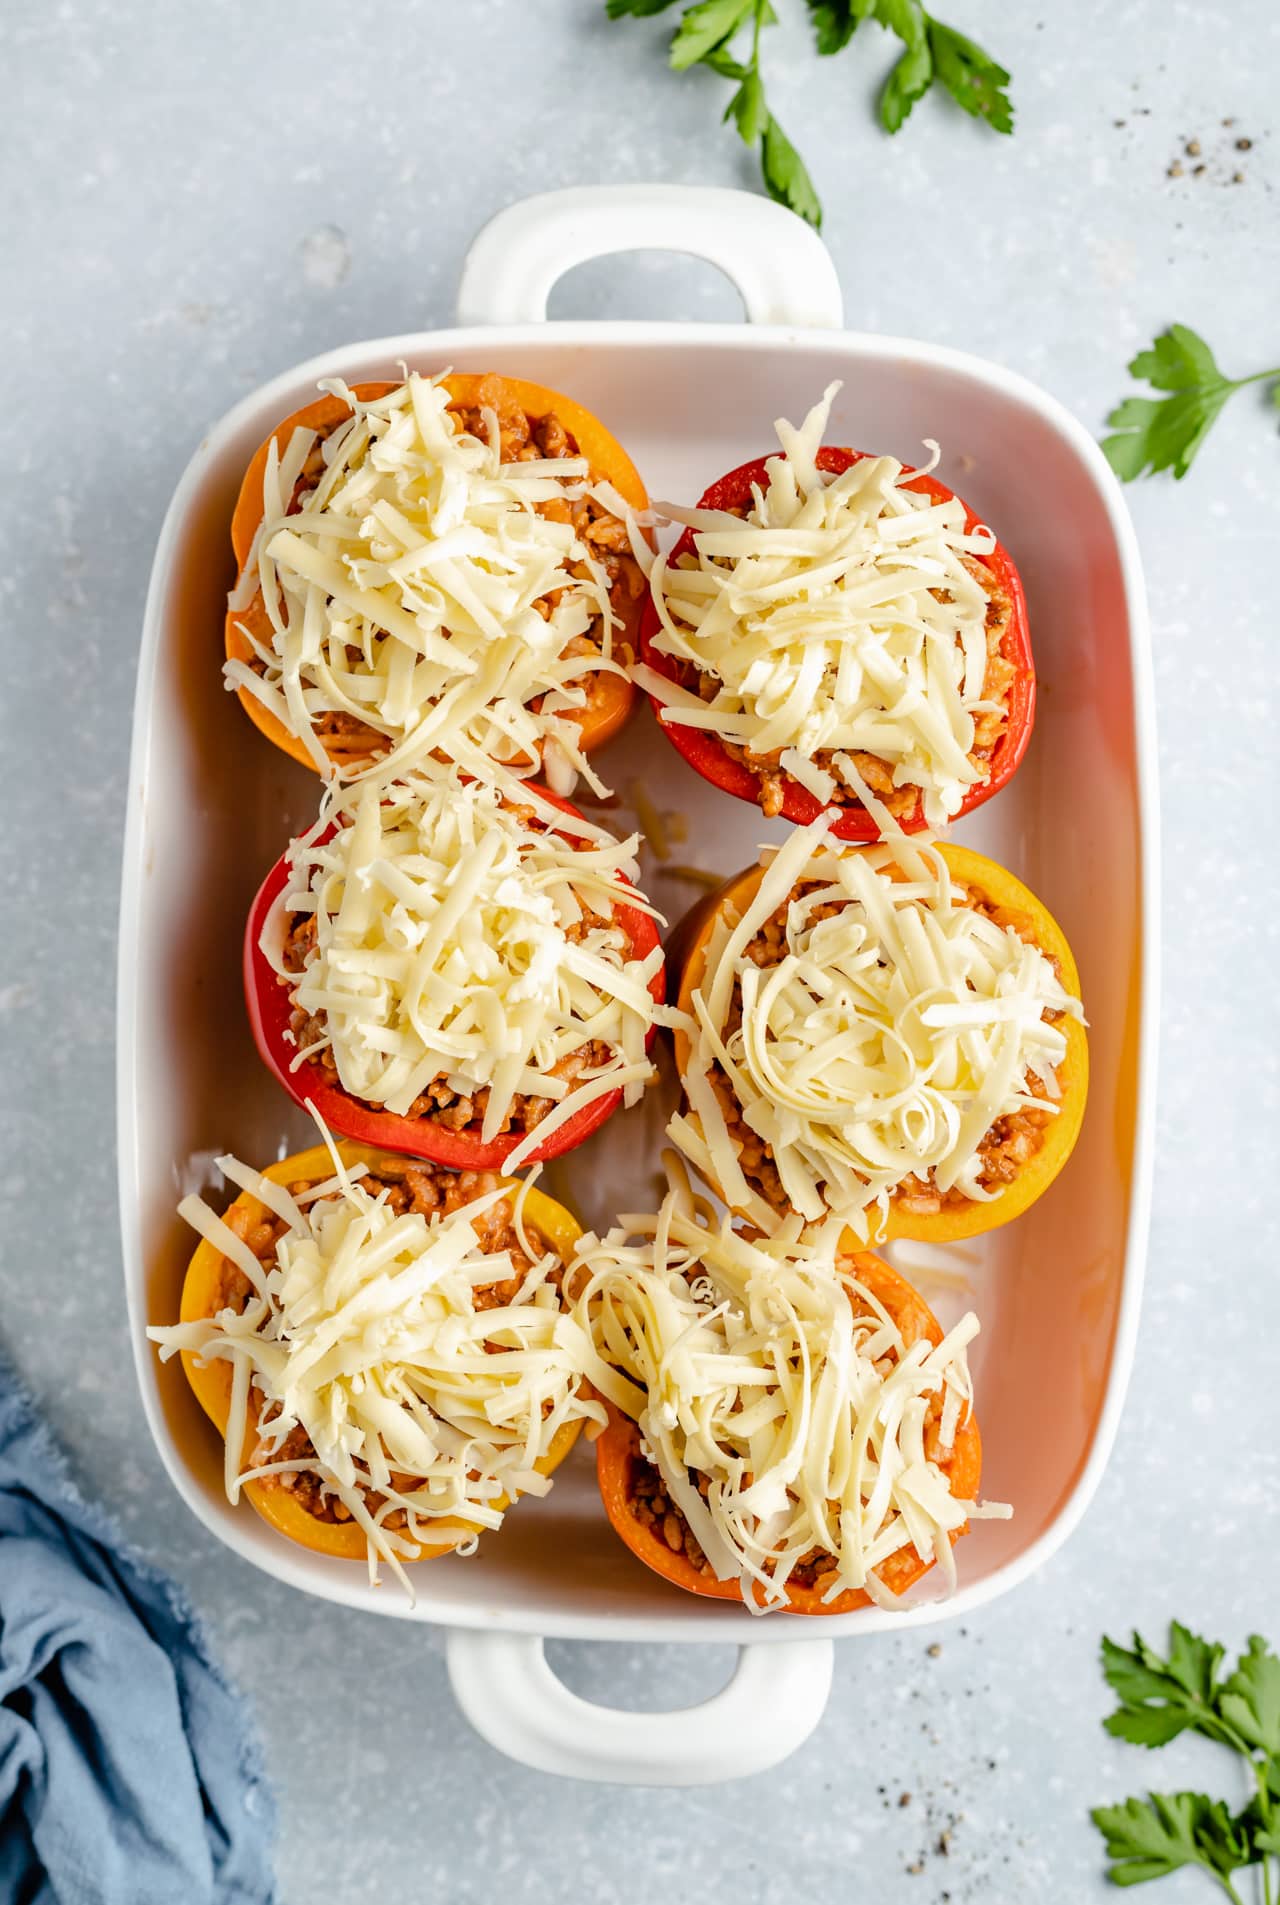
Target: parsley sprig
1164	433
1187	1692
933	51
708	33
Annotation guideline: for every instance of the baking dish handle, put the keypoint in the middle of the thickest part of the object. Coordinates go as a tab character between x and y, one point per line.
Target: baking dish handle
505	1687
778	263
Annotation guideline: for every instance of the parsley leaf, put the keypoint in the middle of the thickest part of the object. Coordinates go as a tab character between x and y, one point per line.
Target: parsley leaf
1250	1699
785	176
932	50
1161	1697
971	76
705	27
1177	358
1153	434
707	34
1259	1817
722	61
833	22
906	18
1149	1838
748	109
910	80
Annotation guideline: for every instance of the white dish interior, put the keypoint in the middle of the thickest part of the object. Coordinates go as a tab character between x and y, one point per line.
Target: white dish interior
213	804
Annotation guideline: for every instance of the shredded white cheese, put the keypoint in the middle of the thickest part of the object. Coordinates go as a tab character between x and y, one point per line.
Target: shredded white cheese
429	590
364	1333
818	617
881	1043
766	1371
457	944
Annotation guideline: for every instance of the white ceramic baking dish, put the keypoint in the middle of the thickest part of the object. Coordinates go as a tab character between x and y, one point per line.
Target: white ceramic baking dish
211	804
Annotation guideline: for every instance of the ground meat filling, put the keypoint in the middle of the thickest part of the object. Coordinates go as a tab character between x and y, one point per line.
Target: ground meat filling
440	1103
649	1503
524	439
1009	1143
902	802
422	1188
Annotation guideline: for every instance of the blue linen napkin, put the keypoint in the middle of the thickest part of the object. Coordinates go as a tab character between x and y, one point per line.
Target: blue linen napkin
130	1773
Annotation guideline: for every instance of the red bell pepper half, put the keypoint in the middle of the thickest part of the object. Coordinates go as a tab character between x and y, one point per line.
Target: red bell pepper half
707	754
270	1012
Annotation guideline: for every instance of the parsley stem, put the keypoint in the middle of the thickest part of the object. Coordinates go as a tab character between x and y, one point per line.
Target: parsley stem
1264	1811
1258	377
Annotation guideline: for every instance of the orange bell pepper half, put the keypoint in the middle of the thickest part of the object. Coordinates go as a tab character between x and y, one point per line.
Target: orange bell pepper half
211	1381
613	697
1015	904
618	1458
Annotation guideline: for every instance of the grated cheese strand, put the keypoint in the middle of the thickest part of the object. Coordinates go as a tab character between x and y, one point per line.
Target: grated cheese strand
818	619
883	1042
426	589
457	944
744	1365
368	1339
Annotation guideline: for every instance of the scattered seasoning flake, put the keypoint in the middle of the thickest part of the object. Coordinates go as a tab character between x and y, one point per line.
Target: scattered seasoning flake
944	1843
935	1650
1175	170
1193	148
1244	145
904	1799
916	1868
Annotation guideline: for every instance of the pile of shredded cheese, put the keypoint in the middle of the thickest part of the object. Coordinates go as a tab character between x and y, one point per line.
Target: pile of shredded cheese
742	1360
364	1334
450	945
817	617
421	589
883	1044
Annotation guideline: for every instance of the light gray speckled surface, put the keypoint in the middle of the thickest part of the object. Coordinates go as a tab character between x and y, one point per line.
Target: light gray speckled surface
197	197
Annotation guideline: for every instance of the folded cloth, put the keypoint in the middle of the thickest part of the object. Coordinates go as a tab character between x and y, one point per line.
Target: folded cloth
129	1769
